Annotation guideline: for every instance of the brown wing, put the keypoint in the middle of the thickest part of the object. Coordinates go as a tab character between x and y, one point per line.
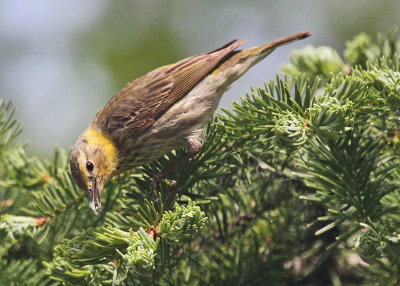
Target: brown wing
143	101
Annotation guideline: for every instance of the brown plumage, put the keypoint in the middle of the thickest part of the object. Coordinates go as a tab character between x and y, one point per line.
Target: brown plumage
159	112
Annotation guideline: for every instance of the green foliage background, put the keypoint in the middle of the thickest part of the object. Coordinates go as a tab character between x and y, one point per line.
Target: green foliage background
297	185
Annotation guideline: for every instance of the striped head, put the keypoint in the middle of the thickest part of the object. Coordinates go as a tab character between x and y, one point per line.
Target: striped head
93	161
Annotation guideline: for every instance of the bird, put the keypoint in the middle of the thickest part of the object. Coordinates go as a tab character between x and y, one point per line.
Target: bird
159	112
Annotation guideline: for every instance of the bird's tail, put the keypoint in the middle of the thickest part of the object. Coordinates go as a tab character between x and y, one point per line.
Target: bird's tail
262	51
240	61
277	43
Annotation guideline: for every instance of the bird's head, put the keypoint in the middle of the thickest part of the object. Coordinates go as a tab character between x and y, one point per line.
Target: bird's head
92	162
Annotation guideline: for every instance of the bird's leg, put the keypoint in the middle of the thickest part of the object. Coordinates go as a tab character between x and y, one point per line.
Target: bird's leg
194	148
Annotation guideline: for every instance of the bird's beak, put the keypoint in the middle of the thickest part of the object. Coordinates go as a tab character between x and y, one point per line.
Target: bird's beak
94	196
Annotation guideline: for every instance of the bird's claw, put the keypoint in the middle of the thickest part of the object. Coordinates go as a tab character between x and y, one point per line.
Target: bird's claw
157	179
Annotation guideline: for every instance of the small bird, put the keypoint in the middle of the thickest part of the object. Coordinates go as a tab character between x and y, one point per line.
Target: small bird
158	112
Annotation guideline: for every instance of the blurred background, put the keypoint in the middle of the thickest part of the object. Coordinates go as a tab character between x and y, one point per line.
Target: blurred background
62	60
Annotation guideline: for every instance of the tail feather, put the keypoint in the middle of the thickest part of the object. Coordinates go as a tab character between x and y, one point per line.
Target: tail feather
271	46
288	39
239	61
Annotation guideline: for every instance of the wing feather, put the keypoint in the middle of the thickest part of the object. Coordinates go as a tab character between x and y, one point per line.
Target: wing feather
143	101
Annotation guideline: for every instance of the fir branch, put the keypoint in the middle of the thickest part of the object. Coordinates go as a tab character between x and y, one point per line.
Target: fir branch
329	136
22	272
9	127
311	62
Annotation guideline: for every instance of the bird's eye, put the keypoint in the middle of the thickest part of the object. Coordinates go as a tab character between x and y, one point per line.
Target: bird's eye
89	166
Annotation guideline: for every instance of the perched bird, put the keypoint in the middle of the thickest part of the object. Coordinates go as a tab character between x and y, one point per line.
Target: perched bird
159	112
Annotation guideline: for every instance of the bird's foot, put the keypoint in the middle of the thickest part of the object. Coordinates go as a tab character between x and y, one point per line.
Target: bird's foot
158	178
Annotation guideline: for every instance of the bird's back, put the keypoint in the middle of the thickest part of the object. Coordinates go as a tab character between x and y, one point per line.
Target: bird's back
158	112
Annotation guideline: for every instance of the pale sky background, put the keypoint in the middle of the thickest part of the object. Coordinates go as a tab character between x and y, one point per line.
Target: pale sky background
62	60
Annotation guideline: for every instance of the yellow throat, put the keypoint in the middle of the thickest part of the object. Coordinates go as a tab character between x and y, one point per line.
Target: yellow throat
103	142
